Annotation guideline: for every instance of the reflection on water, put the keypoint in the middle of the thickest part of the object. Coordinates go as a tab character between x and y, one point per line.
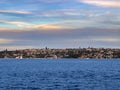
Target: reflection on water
59	74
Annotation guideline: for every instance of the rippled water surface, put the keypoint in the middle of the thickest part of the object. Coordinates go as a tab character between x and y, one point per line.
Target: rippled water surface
59	74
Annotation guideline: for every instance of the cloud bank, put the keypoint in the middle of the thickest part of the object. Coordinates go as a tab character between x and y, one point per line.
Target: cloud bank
103	3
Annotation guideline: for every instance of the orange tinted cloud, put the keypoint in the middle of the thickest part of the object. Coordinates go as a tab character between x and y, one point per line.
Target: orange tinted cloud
104	3
4	41
47	26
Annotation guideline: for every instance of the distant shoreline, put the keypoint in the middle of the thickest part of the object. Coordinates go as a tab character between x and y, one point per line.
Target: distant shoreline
81	53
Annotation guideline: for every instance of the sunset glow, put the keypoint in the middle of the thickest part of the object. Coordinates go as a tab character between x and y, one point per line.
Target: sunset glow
59	23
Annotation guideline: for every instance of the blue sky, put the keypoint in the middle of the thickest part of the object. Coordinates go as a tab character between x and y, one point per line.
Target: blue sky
59	23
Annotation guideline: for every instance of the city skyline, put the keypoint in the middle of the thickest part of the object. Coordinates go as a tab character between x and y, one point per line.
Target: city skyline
59	23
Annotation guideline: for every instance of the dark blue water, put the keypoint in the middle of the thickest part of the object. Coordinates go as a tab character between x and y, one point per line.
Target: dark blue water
63	74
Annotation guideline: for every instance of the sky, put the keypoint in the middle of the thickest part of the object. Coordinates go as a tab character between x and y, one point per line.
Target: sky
59	24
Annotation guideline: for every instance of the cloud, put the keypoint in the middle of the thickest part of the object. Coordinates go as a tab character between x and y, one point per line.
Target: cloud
61	12
48	1
103	3
5	41
94	39
13	47
15	12
47	26
106	39
19	24
29	26
62	38
5	29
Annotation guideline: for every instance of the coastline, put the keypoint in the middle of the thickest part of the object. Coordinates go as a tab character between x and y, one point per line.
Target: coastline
71	53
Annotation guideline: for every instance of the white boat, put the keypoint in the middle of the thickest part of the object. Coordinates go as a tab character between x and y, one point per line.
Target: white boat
19	57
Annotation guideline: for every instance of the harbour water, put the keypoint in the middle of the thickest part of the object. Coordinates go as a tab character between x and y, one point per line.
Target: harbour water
59	74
